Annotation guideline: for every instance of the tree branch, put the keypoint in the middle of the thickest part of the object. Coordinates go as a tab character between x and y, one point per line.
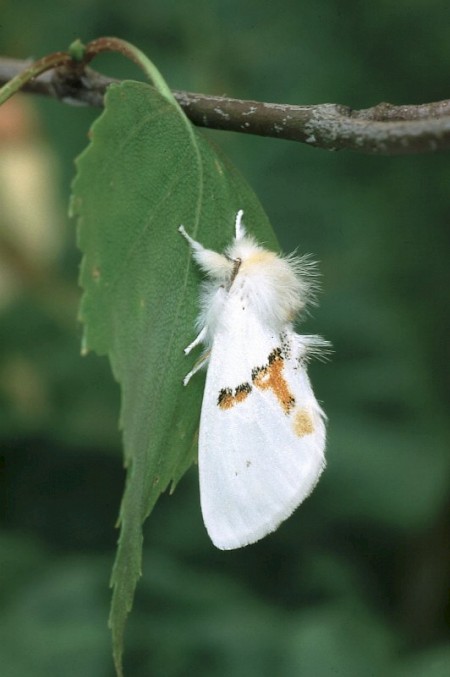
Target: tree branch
384	129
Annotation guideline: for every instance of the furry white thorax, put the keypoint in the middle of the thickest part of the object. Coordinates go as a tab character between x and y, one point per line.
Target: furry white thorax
275	288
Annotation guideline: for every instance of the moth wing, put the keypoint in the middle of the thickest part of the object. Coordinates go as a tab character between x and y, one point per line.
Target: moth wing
261	452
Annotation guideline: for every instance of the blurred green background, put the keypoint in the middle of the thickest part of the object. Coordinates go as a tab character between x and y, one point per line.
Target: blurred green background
356	582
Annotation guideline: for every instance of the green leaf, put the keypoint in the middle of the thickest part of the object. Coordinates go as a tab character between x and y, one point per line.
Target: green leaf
146	171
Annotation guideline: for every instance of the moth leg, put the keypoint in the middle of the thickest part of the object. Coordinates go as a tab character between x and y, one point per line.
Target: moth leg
201	361
196	341
197	366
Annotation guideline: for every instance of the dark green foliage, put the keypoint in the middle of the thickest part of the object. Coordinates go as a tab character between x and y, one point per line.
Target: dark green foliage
356	582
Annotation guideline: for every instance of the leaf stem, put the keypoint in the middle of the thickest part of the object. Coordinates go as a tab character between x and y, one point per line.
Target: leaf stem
134	54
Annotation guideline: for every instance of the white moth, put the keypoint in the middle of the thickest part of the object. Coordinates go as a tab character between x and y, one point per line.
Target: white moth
262	432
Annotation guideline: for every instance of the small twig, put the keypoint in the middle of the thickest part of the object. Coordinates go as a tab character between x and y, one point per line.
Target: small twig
384	129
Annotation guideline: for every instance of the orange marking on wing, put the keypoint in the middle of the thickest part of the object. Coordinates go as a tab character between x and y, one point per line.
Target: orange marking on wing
302	423
227	399
271	377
